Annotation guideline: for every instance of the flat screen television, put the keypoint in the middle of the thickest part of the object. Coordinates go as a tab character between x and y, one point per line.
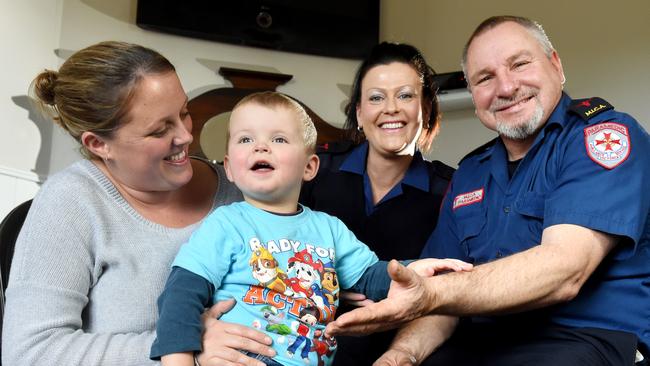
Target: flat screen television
336	28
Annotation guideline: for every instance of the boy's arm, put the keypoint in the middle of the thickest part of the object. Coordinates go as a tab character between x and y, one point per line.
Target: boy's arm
180	306
375	282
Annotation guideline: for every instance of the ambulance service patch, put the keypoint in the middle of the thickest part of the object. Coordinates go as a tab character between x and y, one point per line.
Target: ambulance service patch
468	198
607	143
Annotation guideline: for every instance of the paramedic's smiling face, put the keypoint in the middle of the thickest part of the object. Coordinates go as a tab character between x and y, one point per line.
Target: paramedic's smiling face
515	85
390	109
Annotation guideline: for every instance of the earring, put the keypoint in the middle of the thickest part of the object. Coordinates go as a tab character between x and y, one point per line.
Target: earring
563	79
359	128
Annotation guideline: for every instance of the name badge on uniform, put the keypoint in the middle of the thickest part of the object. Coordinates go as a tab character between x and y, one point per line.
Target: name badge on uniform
468	198
607	143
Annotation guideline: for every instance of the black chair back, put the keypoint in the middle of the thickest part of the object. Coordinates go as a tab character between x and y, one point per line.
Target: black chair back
9	229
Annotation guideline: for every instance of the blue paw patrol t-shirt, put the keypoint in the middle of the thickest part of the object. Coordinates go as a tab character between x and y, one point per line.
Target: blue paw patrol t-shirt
284	271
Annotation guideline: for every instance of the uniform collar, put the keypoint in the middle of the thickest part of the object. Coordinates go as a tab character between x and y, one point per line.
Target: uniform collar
558	117
356	160
488	152
416	176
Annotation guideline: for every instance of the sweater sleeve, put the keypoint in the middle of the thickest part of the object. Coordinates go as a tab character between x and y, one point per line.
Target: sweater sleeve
51	278
179	327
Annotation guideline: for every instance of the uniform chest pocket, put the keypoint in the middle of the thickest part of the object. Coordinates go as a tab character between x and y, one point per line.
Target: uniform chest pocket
469	230
470	225
531	204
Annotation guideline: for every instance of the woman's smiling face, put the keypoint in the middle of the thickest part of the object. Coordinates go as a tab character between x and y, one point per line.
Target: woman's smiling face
149	151
390	110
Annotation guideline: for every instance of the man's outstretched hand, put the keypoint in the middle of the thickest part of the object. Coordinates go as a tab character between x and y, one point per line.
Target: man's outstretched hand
407	299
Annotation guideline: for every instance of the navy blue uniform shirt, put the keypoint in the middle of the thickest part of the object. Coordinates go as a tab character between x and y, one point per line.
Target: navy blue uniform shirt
590	169
416	176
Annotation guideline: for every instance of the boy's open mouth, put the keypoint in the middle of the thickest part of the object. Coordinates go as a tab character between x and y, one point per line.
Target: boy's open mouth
262	165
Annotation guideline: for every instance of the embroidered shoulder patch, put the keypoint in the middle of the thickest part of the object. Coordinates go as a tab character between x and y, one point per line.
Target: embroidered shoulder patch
607	143
468	198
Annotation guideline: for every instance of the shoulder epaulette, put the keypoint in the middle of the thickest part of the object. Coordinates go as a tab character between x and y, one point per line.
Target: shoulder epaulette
480	149
590	107
336	147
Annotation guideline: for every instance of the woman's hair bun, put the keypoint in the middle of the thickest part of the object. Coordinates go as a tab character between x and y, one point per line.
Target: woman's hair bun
44	86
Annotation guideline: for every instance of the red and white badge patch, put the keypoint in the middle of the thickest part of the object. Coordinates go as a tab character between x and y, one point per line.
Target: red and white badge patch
607	143
468	198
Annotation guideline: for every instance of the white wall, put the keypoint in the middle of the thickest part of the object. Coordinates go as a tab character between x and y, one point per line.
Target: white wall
29	33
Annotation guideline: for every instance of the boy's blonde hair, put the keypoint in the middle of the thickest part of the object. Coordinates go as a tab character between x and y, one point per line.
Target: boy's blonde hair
271	99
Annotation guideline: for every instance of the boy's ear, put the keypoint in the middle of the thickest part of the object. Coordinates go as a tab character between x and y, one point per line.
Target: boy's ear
313	162
226	167
96	144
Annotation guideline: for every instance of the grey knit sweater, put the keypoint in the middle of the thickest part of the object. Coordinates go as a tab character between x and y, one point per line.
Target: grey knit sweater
86	274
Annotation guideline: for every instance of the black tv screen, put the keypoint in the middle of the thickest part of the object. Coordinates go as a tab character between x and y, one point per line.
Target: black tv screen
336	28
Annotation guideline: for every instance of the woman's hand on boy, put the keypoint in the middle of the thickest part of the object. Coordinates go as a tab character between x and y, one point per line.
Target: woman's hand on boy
222	340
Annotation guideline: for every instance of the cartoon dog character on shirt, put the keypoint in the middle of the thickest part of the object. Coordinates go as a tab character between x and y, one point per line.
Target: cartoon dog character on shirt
307	274
330	283
266	269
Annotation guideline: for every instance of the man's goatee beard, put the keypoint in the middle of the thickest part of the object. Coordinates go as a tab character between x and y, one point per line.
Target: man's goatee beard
521	130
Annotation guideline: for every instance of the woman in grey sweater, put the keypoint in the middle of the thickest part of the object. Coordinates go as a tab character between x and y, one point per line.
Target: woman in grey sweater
97	244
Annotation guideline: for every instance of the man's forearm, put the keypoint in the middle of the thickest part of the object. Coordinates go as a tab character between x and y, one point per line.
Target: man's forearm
549	273
410	339
543	275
